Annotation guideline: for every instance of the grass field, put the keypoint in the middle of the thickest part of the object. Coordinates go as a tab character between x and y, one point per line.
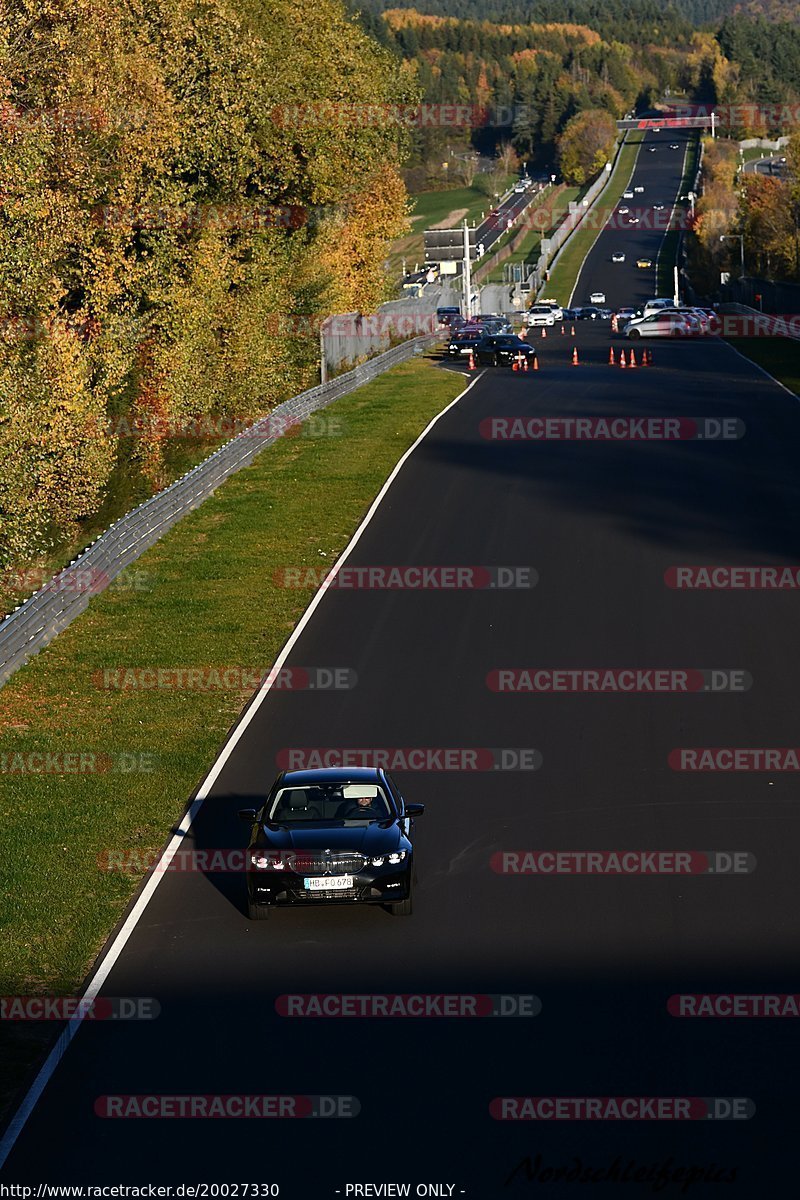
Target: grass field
427	210
565	274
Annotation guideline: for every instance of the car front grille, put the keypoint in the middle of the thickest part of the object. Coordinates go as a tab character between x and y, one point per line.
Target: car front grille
320	862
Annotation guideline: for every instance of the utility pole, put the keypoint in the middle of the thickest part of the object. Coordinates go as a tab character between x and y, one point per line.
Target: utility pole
713	126
675	285
467	274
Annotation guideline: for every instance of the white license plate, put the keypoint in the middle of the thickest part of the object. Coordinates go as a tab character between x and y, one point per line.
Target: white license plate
327	883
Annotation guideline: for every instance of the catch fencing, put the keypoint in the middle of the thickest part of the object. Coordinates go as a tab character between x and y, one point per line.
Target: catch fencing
350	338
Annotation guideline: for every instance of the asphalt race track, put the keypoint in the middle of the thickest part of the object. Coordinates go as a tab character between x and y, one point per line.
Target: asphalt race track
659	173
600	522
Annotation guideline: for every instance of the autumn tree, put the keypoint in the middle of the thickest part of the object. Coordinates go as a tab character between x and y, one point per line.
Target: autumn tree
585	145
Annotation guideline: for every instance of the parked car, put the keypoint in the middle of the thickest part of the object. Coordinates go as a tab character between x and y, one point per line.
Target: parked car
502	350
445	314
618	257
658	324
339	836
597	298
621	318
464	341
539	314
558	311
656	304
589	312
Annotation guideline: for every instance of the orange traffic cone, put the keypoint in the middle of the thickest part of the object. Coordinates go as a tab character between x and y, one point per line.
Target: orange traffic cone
572	331
562	330
633	362
535	363
622	362
544	331
515	365
525	363
472	363
611	357
649	354
575	356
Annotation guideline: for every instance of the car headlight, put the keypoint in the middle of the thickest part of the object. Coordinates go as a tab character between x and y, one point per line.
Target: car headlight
265	861
380	859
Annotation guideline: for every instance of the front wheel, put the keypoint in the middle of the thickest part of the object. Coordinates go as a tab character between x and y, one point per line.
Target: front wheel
403	909
497	360
257	912
634	334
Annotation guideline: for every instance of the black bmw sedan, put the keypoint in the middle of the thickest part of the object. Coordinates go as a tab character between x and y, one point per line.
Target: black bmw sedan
503	350
332	836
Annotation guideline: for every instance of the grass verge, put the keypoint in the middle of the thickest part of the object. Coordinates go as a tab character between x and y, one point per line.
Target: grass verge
206	598
563	278
779	356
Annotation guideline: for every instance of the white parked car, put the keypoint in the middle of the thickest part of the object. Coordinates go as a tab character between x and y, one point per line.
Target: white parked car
656	304
658	324
558	311
540	314
597	298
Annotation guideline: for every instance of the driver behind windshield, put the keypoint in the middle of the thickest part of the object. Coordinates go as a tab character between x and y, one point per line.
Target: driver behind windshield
364	807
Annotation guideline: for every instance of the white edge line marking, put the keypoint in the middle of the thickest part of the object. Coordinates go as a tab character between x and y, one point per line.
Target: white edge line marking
763	370
117	946
604	226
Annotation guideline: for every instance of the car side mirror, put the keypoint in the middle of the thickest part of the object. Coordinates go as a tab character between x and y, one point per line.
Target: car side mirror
414	810
248	814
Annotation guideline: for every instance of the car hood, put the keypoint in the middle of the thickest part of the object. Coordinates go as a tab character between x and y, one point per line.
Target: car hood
369	839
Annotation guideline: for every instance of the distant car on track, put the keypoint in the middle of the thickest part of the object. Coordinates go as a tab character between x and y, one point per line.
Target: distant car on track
674	146
623	209
597	298
335	836
627	195
658	207
638	188
644	263
618	257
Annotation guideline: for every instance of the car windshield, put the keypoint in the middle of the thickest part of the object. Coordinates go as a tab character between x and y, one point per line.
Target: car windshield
330	802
